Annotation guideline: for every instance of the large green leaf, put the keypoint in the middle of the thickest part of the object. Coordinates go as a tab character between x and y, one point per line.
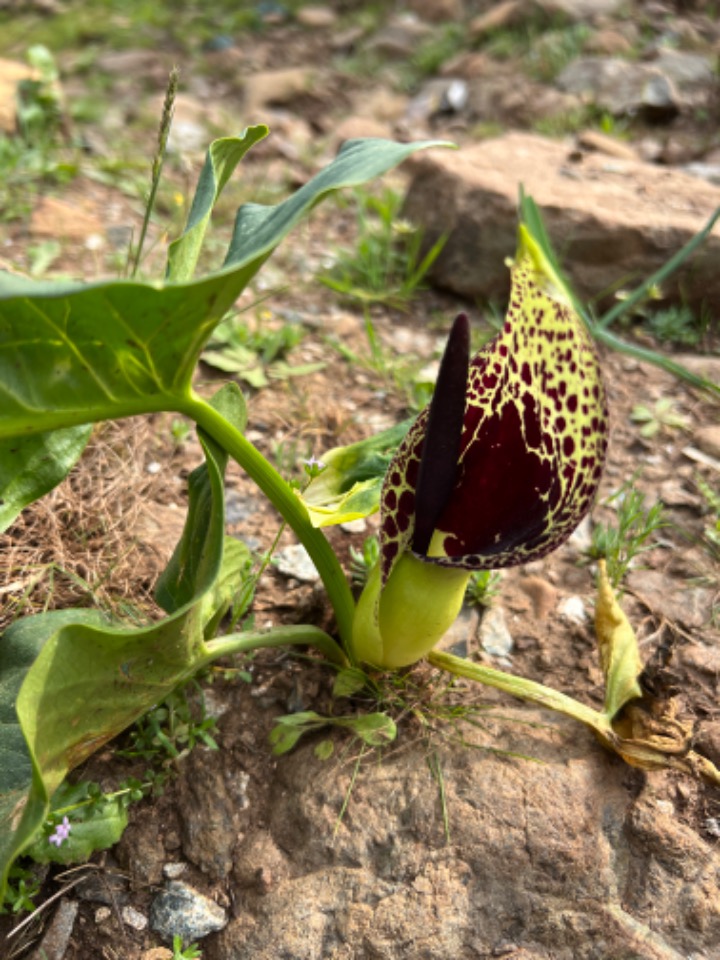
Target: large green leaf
77	680
31	466
73	353
222	158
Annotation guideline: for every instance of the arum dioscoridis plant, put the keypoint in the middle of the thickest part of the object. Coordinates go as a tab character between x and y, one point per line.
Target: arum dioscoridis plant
497	471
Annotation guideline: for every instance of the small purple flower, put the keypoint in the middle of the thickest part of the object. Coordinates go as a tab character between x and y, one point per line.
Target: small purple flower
62	832
313	466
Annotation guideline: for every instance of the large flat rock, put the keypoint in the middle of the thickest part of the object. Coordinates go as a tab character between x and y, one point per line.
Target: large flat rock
613	221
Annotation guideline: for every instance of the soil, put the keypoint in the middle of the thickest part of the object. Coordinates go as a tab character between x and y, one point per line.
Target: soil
377	854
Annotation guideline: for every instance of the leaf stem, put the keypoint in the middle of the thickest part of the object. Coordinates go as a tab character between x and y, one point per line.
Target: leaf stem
288	504
525	689
278	637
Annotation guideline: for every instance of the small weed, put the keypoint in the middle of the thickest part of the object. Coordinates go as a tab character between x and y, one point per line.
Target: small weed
172	729
257	356
711	533
179	431
678	325
630	535
362	561
23	886
433	53
386	265
663	416
191	952
483	586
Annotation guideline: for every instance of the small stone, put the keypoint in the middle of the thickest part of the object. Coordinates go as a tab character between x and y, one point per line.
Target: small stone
573	610
458	639
102	914
174	870
708	440
438	11
295	562
500	15
354	526
11	74
133	918
276	87
56	939
182	911
495	638
316	17
608	42
543	595
353	128
602	143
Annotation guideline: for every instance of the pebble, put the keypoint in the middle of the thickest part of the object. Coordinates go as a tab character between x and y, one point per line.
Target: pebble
542	594
182	911
294	561
573	610
174	870
57	937
316	17
133	918
354	526
495	638
708	440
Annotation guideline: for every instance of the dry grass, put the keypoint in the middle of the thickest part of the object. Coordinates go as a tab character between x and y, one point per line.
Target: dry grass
79	545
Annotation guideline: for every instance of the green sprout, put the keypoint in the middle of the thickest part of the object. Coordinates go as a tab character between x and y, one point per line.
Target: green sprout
663	416
632	533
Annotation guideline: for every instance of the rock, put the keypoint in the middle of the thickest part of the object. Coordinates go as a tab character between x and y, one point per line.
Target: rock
508	13
706	171
524	838
461	635
78	220
133	918
621	87
573	610
708	440
353	128
438	96
543	595
515	102
610	146
295	562
399	38
56	938
182	911
608	43
609	219
437	11
316	17
689	606
276	87
580	9
494	635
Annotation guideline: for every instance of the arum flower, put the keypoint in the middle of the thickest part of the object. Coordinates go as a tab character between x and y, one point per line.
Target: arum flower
497	471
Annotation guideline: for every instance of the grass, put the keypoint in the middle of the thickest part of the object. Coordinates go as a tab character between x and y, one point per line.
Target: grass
386	265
